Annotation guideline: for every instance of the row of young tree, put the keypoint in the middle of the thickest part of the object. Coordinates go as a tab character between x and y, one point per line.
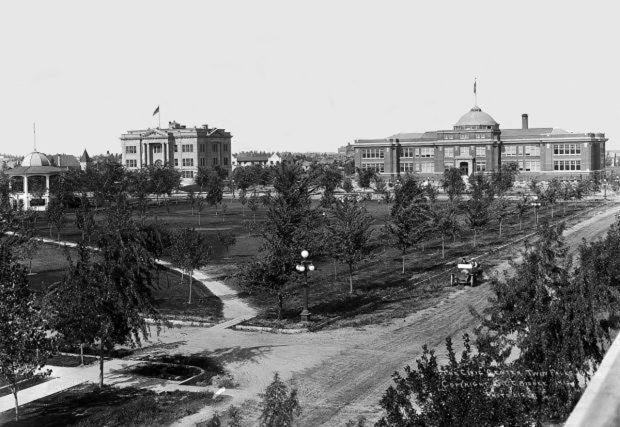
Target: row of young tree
536	346
342	229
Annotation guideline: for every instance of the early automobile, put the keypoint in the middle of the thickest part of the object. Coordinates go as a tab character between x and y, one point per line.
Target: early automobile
469	273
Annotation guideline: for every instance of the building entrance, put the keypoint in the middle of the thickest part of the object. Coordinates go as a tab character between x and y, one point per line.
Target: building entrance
464	167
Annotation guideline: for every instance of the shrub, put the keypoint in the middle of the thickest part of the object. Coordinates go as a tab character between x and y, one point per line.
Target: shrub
223	380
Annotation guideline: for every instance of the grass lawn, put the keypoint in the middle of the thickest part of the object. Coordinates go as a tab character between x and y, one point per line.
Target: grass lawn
69	360
209	365
170	293
87	405
378	279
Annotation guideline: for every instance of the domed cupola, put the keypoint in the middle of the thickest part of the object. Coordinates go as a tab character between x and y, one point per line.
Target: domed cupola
35	159
476	119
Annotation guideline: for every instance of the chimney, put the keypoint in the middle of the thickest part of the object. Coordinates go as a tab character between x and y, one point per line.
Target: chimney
524	124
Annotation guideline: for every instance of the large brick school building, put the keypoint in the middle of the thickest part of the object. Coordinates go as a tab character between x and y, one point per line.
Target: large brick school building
477	144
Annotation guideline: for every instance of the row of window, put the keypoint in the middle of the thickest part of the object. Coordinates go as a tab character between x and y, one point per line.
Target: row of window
417	152
522	150
377	167
425	167
567	165
529	165
454	151
373	153
187	174
131	163
566	149
185	148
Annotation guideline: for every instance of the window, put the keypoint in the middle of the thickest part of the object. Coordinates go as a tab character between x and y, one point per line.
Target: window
481	167
225	148
481	151
187	148
521	165
448	136
130	149
566	165
532	150
157	148
519	150
406	167
187	174
176	148
449	152
377	167
214	147
176	162
427	167
131	163
225	161
406	151
427	152
188	162
510	150
215	161
203	161
447	166
202	148
463	136
373	153
566	149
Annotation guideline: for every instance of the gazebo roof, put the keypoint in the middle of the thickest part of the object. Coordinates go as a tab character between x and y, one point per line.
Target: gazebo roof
35	170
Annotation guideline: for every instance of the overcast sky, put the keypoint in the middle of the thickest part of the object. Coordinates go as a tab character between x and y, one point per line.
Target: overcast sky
301	76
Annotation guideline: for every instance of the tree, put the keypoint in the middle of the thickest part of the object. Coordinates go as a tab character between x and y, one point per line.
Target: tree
408	225
500	210
243	200
122	282
365	177
453	184
329	178
477	207
349	167
465	392
503	179
191	199
444	221
253	204
347	185
279	406
215	189
164	180
190	250
200	205
290	226
24	345
202	178
85	219
56	215
552	193
522	206
226	238
69	304
349	231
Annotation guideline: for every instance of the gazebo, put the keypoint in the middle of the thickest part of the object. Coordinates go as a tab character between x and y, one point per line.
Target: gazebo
34	173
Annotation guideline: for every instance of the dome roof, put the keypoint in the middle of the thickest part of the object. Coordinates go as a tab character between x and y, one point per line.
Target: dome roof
476	117
35	159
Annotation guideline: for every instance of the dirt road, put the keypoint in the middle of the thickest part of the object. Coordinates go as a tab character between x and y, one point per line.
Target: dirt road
340	374
351	383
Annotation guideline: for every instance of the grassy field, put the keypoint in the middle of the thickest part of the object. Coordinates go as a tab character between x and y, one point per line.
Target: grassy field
170	292
376	280
87	405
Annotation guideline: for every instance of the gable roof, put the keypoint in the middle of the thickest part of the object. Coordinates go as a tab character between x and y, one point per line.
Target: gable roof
85	158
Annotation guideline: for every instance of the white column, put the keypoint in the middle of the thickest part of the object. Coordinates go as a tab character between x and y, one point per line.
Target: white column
47	190
26	201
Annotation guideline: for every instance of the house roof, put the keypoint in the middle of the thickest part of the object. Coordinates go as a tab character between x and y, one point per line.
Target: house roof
85	158
64	160
253	158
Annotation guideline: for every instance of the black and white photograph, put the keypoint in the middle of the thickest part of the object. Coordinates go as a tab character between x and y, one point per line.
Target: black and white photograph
283	213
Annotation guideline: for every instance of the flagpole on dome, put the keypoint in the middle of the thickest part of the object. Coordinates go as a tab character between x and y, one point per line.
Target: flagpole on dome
475	92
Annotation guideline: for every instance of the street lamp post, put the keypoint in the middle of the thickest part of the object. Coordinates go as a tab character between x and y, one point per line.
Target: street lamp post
304	266
536	205
605	188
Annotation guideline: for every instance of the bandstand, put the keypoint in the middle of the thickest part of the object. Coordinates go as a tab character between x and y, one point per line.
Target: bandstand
30	182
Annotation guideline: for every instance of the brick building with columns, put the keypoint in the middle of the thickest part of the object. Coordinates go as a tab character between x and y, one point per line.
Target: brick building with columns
186	149
477	144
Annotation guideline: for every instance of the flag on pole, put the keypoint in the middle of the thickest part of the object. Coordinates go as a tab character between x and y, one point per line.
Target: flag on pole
157	110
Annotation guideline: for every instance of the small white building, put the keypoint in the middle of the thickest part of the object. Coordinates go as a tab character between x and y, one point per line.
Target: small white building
250	159
31	181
